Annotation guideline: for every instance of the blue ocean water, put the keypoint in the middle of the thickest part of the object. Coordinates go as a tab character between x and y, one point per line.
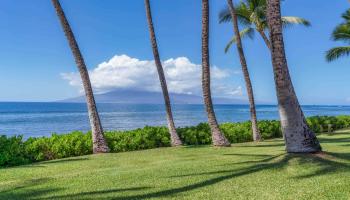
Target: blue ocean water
42	119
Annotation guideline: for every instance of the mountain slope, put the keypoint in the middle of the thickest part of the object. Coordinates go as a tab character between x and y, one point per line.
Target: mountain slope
145	97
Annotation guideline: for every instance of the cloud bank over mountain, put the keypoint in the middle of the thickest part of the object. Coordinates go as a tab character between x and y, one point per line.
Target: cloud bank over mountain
183	77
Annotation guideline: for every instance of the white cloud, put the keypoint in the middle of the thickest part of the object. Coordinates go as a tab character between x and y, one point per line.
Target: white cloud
182	76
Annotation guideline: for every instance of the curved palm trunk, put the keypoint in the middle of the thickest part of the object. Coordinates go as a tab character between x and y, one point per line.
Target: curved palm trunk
217	137
175	139
256	133
298	136
266	40
99	142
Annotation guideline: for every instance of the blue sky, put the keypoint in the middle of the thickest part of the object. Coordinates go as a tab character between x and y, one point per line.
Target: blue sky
35	60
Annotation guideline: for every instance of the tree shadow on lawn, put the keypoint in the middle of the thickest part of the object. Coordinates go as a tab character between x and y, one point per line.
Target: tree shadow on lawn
27	190
30	189
65	160
262	145
328	161
243	154
198	146
91	195
334	140
44	163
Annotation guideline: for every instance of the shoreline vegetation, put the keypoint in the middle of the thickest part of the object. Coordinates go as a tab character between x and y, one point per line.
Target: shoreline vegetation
15	150
190	172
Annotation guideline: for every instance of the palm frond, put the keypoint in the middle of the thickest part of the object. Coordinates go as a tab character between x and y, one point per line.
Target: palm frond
247	32
224	16
346	16
337	52
291	20
341	33
241	12
254	5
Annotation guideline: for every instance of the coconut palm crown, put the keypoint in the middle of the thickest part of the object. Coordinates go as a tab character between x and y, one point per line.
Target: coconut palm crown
340	33
252	17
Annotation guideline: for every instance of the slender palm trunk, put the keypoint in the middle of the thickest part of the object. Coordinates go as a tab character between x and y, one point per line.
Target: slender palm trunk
255	129
175	139
266	40
99	142
298	136
217	137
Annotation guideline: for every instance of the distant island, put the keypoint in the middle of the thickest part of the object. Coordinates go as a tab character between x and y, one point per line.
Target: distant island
146	97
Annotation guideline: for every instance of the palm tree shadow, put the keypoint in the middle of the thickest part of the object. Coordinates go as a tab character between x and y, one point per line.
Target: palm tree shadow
92	195
342	156
231	174
329	164
27	190
66	160
263	145
335	140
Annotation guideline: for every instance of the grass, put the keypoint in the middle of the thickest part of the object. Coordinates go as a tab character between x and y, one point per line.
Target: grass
243	171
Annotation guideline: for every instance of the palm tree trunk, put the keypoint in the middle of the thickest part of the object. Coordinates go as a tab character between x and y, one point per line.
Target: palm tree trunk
255	129
266	40
175	139
218	138
99	142
298	136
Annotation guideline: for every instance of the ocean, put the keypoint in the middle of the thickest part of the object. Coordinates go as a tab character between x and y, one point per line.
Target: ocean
43	119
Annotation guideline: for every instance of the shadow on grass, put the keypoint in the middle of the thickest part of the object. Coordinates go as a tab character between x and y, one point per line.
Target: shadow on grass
31	190
92	195
268	159
27	190
197	146
327	161
324	163
334	140
241	155
64	160
262	145
34	165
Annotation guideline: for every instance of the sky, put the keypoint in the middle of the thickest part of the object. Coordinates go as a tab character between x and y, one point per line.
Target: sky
36	63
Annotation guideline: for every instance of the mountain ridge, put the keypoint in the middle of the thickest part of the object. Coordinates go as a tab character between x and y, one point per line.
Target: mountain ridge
147	97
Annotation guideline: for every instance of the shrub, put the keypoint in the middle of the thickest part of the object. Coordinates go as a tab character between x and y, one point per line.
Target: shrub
195	135
145	138
270	129
320	124
58	146
12	151
15	151
237	132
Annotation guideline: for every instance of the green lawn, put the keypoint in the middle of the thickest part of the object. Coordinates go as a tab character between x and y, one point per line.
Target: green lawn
243	171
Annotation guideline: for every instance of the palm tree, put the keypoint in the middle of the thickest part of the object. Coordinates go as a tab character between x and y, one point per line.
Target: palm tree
175	139
252	16
256	133
340	33
98	140
299	138
217	137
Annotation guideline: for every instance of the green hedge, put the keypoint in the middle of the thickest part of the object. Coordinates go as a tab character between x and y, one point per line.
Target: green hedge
14	150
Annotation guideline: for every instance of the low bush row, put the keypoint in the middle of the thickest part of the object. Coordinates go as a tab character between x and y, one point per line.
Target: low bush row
15	151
